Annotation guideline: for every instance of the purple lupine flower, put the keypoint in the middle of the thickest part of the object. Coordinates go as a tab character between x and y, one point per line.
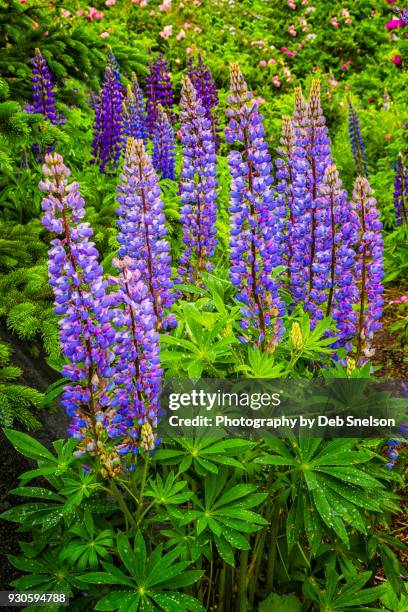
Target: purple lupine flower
336	236
112	62
369	268
134	112
164	145
81	301
107	140
142	230
159	92
198	187
356	141
43	89
291	187
401	191
137	365
204	84
312	135
257	219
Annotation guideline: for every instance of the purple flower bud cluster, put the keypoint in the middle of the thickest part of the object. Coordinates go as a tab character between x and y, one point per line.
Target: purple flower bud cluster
81	300
198	187
392	453
43	89
204	84
311	135
357	145
369	269
134	112
108	123
336	237
137	363
142	230
401	191
164	145
257	219
159	92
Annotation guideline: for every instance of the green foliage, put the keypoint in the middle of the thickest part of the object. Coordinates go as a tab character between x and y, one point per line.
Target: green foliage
16	400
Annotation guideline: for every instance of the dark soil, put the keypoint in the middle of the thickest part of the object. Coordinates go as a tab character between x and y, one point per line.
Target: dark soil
390	351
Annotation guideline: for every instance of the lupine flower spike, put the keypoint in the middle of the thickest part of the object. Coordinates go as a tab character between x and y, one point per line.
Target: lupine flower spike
134	112
312	136
204	84
137	364
401	191
198	187
83	305
336	237
159	92
107	140
164	145
257	220
369	268
43	89
357	145
142	230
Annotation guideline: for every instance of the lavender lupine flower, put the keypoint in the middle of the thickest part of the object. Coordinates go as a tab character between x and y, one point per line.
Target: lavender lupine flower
369	268
204	84
312	135
159	92
142	230
137	365
43	89
336	237
257	219
356	141
401	191
83	305
106	145
134	112
291	187
164	145
198	187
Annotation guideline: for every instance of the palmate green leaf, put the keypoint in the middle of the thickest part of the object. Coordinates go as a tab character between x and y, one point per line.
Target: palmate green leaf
177	602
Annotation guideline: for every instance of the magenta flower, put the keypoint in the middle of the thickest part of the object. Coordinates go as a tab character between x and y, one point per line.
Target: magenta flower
397	60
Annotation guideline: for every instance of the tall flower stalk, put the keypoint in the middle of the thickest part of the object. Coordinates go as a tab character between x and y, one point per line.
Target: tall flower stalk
164	145
108	123
43	89
142	230
83	305
312	136
336	238
198	187
257	219
369	268
134	112
401	191
356	141
204	84
159	92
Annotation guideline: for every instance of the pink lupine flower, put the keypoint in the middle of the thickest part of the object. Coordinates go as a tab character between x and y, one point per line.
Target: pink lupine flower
400	300
166	32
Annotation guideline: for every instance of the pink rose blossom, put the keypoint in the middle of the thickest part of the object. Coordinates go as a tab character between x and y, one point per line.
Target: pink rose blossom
189	50
65	13
104	35
397	60
181	35
165	6
187	25
198	30
110	2
152	13
80	13
344	66
271	61
262	64
276	81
